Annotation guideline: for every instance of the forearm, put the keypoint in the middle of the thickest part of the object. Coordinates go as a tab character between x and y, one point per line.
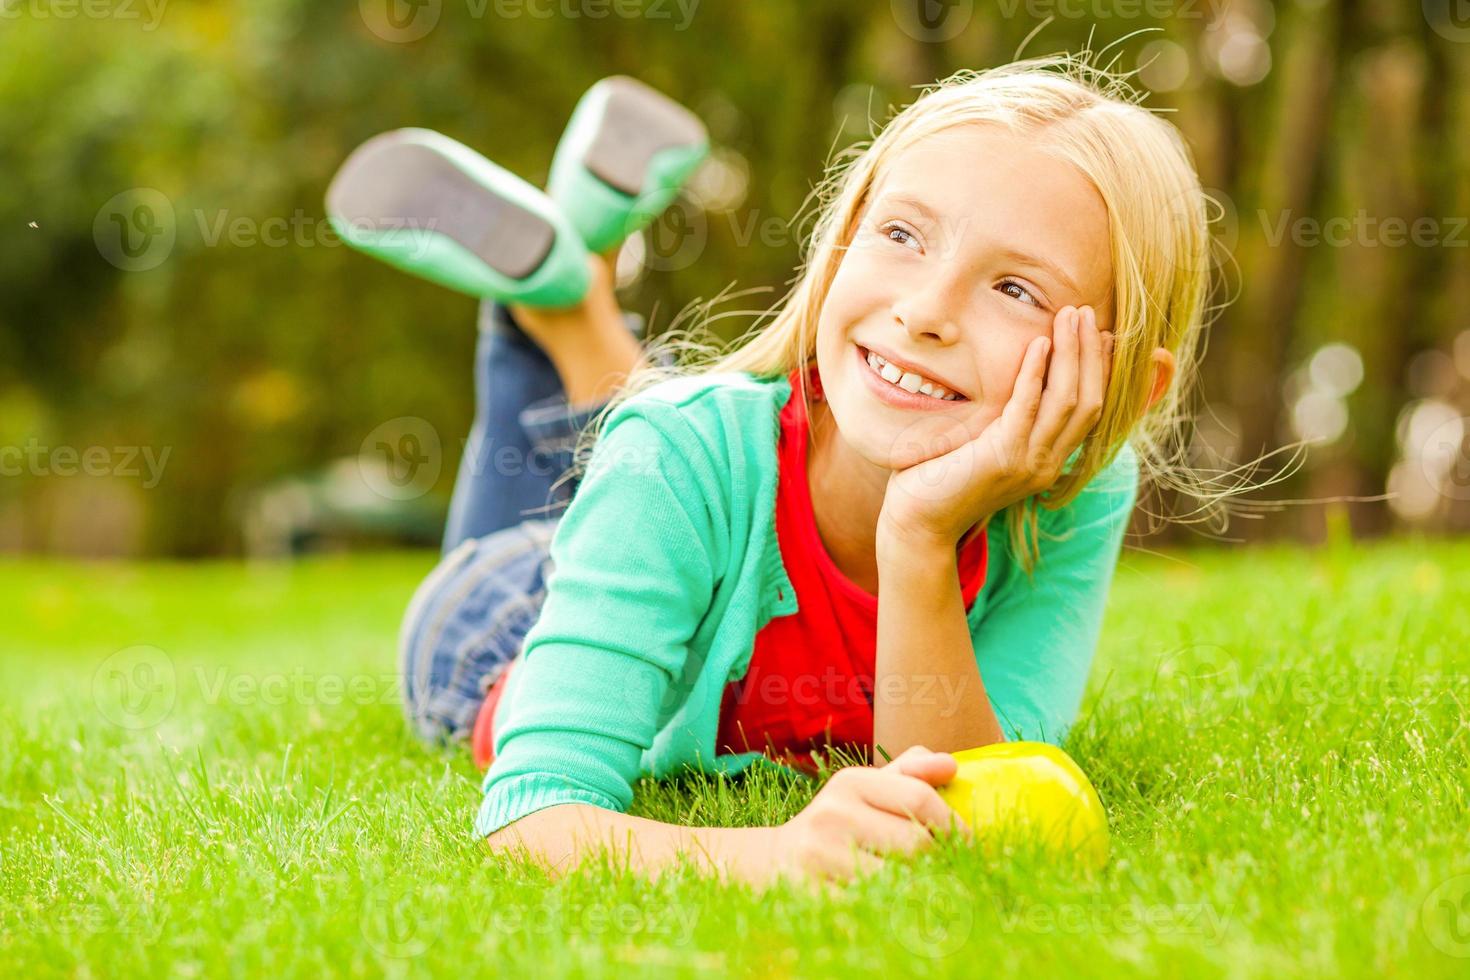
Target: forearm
563	836
927	686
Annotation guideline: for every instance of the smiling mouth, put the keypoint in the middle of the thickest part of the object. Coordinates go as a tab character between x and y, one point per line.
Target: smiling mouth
907	381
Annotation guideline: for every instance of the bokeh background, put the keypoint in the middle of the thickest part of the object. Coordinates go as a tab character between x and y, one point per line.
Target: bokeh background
192	364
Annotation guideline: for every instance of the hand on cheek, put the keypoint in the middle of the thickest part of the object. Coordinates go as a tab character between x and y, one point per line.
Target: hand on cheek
1070	402
1053	406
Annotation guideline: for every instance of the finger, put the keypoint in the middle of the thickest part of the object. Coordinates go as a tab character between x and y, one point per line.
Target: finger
1092	387
906	797
882	832
1025	397
934	768
1013	432
851	862
1059	398
885	834
908	755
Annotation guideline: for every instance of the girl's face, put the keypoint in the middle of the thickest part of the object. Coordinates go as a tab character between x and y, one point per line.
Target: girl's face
971	243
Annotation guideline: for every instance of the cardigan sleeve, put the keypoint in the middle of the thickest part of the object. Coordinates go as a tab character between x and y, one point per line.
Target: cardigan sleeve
633	577
1035	639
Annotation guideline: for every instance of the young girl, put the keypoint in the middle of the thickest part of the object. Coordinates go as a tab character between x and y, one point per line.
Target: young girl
888	521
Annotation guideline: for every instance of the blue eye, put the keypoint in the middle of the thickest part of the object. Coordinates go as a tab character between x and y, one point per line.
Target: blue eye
1024	296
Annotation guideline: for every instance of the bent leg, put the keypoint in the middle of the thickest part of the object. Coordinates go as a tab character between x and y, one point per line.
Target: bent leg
467	622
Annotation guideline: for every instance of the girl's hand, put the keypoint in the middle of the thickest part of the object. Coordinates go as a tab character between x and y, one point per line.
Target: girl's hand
864	812
1018	454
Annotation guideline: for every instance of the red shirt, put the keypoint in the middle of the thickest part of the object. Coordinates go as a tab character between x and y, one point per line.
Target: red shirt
810	680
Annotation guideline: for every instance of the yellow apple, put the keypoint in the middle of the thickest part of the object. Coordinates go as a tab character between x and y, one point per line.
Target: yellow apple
1030	789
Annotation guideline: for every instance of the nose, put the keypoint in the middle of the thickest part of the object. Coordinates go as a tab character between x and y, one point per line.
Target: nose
929	310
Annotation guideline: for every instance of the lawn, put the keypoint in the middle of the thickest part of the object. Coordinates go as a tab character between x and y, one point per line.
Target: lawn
205	771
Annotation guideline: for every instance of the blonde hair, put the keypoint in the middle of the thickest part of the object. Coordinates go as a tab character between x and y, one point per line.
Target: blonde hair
1160	241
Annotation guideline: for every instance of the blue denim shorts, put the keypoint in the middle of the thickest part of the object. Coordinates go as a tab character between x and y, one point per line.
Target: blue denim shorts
467	622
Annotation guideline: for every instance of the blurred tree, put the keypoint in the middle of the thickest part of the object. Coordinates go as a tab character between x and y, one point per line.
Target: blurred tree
167	282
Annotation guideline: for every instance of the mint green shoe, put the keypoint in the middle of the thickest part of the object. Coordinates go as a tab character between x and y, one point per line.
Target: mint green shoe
625	153
428	205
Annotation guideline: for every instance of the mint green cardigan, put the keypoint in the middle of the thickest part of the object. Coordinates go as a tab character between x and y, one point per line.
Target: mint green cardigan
666	564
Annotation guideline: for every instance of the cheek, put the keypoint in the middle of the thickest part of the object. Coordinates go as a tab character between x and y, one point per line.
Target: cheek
998	366
863	282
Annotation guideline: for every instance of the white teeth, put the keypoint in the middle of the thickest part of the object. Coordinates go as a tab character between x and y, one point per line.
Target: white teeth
908	380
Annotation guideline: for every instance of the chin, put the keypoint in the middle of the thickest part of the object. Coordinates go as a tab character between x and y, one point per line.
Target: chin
875	434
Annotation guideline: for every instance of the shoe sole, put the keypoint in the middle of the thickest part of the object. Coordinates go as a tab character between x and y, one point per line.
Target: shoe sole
392	182
637	123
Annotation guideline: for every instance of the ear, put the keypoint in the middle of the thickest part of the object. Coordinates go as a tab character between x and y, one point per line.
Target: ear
1163	362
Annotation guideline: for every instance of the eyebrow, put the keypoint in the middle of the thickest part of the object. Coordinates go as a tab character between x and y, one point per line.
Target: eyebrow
1015	255
1044	265
914	203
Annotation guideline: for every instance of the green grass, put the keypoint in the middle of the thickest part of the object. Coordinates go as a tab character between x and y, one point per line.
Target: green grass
1279	736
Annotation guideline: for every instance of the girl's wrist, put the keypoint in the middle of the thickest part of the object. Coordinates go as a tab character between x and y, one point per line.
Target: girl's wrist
906	544
758	857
